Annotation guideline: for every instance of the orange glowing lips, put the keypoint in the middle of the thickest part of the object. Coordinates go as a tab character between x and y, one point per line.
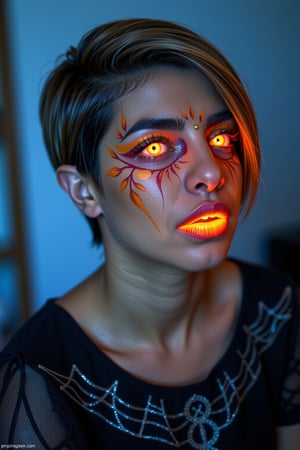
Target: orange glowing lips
208	221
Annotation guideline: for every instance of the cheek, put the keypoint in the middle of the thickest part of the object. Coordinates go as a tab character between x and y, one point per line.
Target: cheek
111	179
233	169
130	194
237	187
239	178
141	189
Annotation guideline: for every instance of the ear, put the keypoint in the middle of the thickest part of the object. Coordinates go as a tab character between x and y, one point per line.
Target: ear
81	190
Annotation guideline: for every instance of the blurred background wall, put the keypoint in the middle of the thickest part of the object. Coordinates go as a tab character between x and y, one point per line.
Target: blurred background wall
260	37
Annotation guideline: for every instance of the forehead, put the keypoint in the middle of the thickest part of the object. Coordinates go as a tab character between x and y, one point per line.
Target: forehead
169	91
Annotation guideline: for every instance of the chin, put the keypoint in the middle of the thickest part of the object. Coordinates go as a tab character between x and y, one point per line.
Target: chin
203	257
204	264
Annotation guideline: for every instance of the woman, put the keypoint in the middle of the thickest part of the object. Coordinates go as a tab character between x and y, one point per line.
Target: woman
169	343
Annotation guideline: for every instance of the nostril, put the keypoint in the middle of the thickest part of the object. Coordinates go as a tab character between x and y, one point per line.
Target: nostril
200	185
210	186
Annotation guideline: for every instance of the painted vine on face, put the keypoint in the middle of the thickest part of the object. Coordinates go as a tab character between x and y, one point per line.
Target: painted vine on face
144	174
135	171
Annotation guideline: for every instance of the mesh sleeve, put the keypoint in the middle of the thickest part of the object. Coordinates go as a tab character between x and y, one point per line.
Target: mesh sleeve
290	404
32	413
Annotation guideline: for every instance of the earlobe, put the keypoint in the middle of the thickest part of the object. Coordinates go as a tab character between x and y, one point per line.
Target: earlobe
79	189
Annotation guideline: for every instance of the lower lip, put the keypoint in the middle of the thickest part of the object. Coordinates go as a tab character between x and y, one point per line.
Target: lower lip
211	228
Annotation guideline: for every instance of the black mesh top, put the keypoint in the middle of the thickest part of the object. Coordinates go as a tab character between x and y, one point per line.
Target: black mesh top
59	391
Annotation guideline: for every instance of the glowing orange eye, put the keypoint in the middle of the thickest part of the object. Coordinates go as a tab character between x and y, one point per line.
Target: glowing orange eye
220	140
154	149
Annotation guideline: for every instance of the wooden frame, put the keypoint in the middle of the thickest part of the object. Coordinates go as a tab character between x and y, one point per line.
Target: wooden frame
16	251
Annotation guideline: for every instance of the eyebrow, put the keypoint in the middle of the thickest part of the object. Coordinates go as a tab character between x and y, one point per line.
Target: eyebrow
219	117
176	124
157	124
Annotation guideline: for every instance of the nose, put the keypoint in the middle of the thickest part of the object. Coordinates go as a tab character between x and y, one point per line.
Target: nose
204	171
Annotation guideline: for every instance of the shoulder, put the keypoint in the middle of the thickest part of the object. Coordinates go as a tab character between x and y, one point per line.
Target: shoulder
36	322
270	304
261	273
25	397
41	336
266	284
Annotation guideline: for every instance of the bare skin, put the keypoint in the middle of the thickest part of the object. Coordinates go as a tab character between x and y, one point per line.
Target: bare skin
174	344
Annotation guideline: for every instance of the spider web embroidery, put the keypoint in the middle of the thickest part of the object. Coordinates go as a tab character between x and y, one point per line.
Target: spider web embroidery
201	420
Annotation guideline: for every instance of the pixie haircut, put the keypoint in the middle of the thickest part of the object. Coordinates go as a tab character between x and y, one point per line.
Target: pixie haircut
80	95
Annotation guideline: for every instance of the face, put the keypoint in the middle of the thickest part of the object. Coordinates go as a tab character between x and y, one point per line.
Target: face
170	174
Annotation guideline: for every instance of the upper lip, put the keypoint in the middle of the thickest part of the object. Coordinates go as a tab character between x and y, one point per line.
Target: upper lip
205	211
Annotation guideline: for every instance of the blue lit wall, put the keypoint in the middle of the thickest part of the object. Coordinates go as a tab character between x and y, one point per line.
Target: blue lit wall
261	38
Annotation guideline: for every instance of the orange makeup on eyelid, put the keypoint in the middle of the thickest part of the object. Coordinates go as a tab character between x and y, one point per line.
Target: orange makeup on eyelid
123	149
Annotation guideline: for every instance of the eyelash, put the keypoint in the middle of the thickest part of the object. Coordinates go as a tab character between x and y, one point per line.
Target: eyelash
225	151
222	151
233	133
151	140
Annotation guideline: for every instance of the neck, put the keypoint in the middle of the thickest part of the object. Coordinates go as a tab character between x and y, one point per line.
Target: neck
147	301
